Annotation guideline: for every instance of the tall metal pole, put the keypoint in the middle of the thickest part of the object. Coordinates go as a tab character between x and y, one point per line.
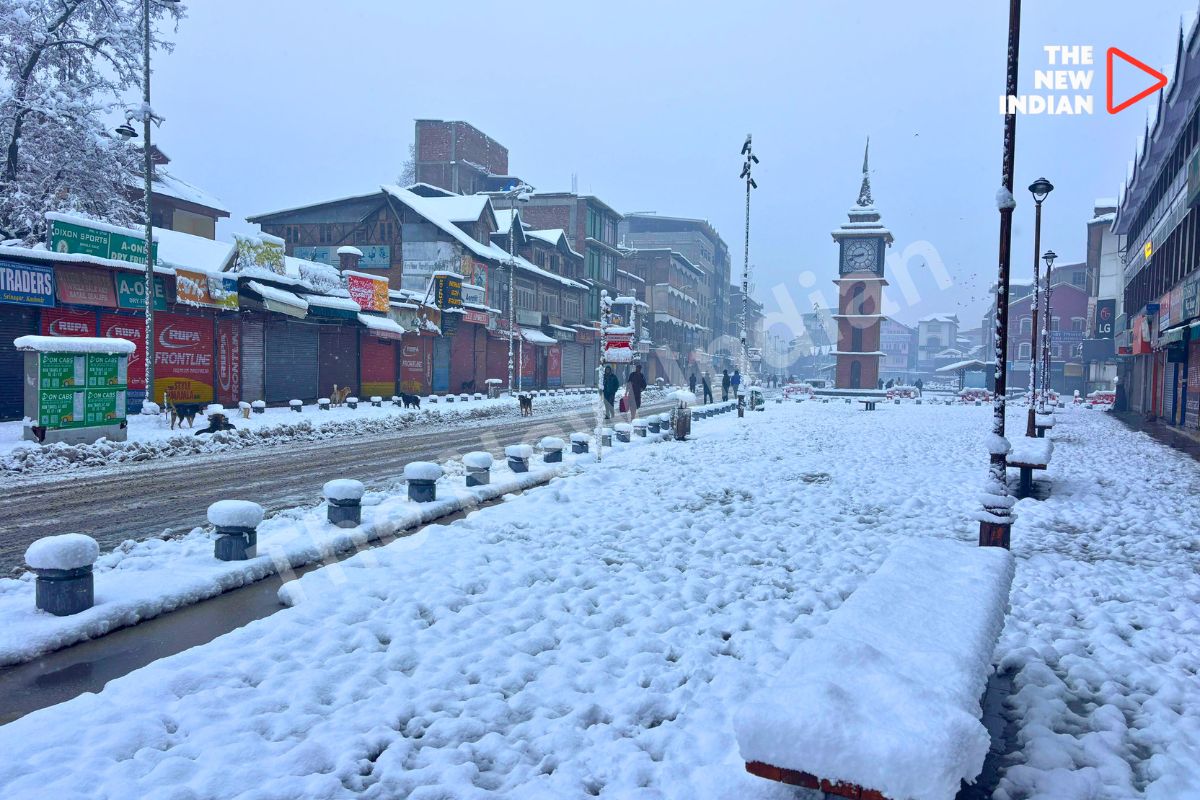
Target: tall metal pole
512	285
995	523
605	306
744	356
1047	335
148	169
1030	430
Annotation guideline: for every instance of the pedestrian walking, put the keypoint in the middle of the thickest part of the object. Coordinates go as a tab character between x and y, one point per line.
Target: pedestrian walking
920	384
634	386
724	385
735	381
611	384
692	383
708	395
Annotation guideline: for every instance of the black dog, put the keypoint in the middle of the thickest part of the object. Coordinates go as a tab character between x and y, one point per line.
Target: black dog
183	412
216	422
526	405
410	400
468	387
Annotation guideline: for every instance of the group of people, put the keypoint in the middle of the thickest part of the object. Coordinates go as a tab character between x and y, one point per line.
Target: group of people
728	382
635	384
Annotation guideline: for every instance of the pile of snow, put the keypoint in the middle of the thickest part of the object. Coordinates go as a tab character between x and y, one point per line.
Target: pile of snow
214	408
623	427
886	693
522	451
65	551
422	471
342	489
683	396
581	437
477	460
150	409
235	514
551	443
74	344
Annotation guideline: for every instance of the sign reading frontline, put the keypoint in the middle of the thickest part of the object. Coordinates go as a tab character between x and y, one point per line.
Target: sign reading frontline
70	235
26	285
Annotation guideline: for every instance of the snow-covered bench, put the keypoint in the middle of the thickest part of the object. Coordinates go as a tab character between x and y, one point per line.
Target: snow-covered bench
868	403
883	701
1027	454
1042	423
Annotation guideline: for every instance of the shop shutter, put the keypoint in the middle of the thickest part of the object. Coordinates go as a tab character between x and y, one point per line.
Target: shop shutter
337	358
378	373
572	365
252	358
590	352
441	364
462	358
290	369
1137	392
1192	418
14	321
497	359
1168	391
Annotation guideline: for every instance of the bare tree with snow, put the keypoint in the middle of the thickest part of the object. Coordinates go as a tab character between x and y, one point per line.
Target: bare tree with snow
65	64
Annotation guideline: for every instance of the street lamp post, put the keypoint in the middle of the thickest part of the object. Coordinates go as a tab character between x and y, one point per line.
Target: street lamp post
605	310
995	521
1040	189
518	192
1047	332
744	356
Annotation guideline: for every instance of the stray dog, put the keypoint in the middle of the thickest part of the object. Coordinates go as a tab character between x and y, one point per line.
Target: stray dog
338	396
526	405
468	387
183	412
216	422
410	400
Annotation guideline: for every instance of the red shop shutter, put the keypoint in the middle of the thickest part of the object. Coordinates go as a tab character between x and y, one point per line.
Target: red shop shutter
378	367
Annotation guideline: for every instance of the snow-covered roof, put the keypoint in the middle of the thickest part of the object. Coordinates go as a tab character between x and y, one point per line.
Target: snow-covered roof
504	219
380	324
973	363
940	318
631	276
73	344
171	186
442	212
325	301
277	295
537	337
190	252
553	236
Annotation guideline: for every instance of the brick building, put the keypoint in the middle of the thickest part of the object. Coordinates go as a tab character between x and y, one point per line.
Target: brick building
459	157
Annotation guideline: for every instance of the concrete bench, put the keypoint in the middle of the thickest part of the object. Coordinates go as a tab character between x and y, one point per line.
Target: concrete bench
1042	423
1027	454
868	405
882	702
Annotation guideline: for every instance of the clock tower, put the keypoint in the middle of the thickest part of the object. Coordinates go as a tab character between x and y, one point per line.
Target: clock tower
862	242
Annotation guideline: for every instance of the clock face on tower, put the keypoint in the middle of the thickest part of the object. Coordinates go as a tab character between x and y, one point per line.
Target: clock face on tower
860	255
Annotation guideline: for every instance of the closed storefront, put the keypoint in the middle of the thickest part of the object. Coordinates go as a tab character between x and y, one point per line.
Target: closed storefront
1168	392
1192	412
412	353
572	364
497	356
337	358
441	365
468	358
290	349
14	321
184	363
554	366
252	357
1137	389
378	360
229	360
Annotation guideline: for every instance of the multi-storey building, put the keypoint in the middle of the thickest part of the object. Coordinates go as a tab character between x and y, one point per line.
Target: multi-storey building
935	333
671	291
1105	286
460	158
899	345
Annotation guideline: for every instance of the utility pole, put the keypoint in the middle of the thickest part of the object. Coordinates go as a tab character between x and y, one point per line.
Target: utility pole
1047	333
1040	189
605	309
995	521
744	357
148	169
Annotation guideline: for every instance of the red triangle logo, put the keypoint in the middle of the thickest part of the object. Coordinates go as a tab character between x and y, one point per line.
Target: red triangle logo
1160	80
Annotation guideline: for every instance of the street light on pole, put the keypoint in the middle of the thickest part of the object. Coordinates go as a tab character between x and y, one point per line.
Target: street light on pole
995	521
744	356
1046	331
1040	189
519	192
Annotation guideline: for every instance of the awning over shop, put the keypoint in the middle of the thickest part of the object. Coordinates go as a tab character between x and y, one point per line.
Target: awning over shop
320	305
537	337
1171	336
279	300
382	327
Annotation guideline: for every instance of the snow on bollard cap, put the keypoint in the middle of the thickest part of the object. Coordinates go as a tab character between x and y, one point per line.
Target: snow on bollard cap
683	396
343	489
552	443
422	471
65	551
235	514
477	460
580	437
214	408
295	403
640	423
518	451
623	427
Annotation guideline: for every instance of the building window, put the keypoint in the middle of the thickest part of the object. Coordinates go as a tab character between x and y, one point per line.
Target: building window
1056	351
571	308
856	336
550	304
595	225
1079	278
1077	351
526	297
1026	324
1054	323
593	265
1023	351
1077	323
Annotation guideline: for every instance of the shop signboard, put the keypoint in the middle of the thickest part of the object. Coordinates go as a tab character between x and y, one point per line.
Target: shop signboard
1106	311
62	371
374	256
25	284
229	361
183	358
131	292
528	317
61	408
67	322
1176	305
203	289
474	272
260	252
475	317
1189	300
104	407
447	290
70	235
369	291
85	287
412	365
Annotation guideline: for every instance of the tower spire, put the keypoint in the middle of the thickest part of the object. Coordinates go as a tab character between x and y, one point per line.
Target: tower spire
864	193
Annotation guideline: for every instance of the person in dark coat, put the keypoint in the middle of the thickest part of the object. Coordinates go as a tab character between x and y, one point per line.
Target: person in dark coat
920	385
634	386
735	381
724	385
611	384
692	383
707	384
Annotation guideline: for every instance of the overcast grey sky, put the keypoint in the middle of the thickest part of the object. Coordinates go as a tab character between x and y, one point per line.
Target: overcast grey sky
271	104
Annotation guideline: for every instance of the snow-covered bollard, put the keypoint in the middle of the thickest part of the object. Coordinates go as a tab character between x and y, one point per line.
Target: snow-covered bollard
344	498
259	407
479	468
918	401
449	398
296	405
579	443
244	409
376	401
653	423
422	479
323	403
237	523
63	565
606	437
464	397
623	430
396	401
433	398
477	396
518	456
552	448
352	402
640	426
150	409
665	427
978	402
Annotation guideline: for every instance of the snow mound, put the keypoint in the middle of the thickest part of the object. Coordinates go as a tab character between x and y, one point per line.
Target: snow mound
477	460
518	451
342	489
886	693
214	408
422	471
235	514
683	396
623	427
74	344
552	443
1030	450
580	437
65	551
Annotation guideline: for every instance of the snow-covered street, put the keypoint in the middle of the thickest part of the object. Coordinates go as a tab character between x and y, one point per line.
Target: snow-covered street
596	636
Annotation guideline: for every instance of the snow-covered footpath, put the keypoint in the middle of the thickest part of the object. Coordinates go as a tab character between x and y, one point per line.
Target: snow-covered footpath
595	637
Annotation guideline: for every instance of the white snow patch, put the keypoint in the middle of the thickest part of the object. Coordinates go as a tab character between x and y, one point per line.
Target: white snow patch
64	551
235	514
422	471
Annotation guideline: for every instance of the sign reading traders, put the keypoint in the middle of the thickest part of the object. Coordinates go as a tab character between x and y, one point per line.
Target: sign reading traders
25	284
